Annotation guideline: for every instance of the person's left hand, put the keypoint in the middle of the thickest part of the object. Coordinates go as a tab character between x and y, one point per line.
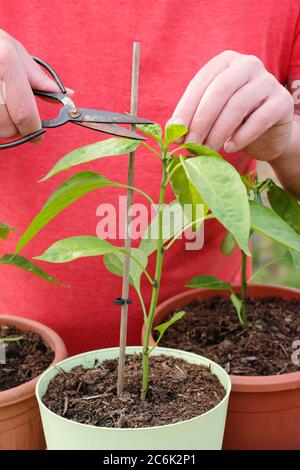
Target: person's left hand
235	103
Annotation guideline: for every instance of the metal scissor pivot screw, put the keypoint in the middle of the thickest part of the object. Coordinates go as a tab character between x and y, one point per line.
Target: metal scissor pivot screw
74	113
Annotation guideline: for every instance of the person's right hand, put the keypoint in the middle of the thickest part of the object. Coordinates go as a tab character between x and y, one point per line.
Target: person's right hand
19	73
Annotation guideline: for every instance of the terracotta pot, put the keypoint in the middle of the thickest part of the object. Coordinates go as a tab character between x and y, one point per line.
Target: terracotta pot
264	411
20	423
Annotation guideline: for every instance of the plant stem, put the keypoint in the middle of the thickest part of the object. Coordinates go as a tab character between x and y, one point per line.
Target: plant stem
157	279
142	305
177	234
127	247
122	250
244	290
137	190
151	149
265	266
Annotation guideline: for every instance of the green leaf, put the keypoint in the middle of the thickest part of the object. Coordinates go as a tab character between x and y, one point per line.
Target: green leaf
228	244
221	187
285	205
72	189
23	263
174	132
69	249
164	326
174	219
114	263
153	130
265	221
5	229
105	148
208	282
185	190
11	339
237	303
197	149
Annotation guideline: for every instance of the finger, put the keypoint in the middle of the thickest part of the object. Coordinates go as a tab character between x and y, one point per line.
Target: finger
242	103
38	78
214	99
265	117
20	101
7	127
187	105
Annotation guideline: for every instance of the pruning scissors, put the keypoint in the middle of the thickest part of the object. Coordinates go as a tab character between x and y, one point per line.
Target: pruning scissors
98	120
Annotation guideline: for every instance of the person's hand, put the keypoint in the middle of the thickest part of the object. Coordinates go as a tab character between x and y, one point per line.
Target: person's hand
233	102
19	73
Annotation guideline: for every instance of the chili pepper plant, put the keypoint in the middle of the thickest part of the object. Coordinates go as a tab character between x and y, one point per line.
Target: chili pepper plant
200	178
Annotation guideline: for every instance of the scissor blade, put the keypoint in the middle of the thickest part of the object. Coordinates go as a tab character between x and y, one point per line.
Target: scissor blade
111	129
93	115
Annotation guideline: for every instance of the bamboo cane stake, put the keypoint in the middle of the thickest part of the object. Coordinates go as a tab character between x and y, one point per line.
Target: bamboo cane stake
127	245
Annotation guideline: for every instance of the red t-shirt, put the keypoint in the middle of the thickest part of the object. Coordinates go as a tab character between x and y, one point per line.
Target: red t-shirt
89	42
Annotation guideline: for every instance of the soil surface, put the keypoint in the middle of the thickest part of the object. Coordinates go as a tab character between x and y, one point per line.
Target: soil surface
25	359
211	328
178	391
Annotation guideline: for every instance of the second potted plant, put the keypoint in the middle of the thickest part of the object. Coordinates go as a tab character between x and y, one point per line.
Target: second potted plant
252	330
27	348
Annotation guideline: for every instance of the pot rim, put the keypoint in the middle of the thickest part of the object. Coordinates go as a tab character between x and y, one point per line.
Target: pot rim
25	391
128	350
249	384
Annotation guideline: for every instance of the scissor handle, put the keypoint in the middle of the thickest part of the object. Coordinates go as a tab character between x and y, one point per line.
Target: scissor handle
52	73
54	96
45	94
22	140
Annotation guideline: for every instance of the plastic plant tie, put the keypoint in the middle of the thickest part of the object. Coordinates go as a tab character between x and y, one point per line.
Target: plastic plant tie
121	301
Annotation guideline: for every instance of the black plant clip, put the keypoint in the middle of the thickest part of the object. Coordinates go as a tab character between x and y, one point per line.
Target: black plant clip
121	301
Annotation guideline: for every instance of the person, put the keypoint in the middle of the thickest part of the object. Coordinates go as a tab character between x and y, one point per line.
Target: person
221	67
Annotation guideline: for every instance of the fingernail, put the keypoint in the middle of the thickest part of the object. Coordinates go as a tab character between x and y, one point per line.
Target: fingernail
70	91
178	121
229	147
192	137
